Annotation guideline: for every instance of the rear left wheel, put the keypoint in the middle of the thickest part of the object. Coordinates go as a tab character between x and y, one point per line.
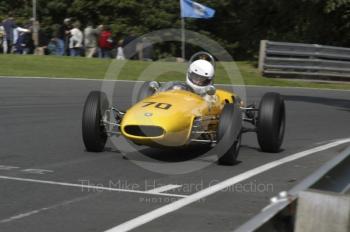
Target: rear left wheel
93	129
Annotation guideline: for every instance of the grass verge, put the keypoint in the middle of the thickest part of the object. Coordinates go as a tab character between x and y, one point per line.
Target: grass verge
78	67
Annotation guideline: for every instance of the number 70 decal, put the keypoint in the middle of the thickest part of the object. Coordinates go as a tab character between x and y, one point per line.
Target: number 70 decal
163	106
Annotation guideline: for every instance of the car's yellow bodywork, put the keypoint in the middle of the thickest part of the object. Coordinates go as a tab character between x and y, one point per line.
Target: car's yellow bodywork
173	111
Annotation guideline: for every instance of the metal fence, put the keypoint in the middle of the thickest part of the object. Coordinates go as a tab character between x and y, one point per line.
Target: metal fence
332	178
304	60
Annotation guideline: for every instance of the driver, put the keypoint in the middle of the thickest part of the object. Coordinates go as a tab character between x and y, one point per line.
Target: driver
200	75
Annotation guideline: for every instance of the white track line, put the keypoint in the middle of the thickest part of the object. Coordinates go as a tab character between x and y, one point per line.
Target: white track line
152	215
88	187
135	81
33	212
164	188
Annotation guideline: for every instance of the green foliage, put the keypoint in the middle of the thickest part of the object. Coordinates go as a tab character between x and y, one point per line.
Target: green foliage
239	25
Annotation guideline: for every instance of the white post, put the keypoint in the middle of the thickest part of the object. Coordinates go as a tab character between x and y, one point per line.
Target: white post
35	25
262	56
183	39
34	10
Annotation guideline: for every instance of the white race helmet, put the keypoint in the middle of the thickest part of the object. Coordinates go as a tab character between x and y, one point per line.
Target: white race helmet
200	74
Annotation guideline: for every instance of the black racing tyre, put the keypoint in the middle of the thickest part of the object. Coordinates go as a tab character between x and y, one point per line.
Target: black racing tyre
229	134
145	91
94	132
271	122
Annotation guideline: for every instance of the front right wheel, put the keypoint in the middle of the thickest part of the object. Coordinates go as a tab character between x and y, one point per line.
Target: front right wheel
93	129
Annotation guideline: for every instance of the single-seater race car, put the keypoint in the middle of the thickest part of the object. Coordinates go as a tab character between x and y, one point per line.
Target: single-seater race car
177	114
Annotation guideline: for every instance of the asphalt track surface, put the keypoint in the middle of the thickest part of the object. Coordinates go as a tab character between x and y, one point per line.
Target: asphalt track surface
40	140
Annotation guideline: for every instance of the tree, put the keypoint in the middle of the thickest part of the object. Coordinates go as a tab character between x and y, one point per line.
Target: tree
238	25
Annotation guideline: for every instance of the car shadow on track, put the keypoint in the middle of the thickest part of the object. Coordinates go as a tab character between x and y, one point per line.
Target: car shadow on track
176	155
259	149
169	154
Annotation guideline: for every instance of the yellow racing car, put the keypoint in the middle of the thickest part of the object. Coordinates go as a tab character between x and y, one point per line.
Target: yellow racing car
174	114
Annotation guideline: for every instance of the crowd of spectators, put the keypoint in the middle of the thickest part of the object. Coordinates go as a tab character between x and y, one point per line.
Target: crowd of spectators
69	39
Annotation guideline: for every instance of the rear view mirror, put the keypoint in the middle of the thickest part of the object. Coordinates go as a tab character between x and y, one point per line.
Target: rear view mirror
154	85
211	90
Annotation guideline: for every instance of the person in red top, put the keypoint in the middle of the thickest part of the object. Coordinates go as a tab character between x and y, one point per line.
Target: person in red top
105	42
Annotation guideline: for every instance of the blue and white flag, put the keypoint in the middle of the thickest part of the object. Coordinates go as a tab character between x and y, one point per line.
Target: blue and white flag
191	9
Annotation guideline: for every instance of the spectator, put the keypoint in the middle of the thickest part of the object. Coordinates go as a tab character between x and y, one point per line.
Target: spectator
120	51
56	47
2	38
63	35
105	42
19	35
139	49
18	42
129	47
58	39
60	47
147	50
9	26
76	40
90	39
28	43
52	47
144	49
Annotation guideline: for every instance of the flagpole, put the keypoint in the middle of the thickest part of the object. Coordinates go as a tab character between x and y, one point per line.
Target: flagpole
35	25
192	9
183	36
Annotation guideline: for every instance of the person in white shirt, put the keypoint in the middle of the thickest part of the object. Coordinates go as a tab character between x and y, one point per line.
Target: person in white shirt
90	39
3	47
18	34
120	51
17	31
76	40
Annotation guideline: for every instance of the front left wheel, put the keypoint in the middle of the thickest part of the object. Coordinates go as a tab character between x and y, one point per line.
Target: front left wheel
229	134
93	129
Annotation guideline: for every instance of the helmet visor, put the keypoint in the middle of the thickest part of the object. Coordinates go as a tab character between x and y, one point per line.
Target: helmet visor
199	80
